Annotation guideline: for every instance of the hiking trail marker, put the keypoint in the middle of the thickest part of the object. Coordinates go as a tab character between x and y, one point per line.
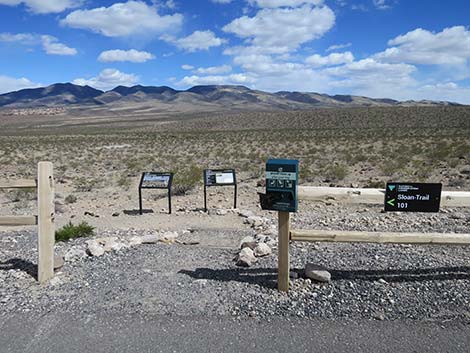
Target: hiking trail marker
155	180
413	197
220	177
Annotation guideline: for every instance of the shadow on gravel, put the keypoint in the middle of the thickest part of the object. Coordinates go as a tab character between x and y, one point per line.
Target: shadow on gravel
20	264
409	275
136	212
265	277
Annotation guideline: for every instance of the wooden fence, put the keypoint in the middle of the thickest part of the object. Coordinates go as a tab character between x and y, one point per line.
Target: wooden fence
356	196
44	219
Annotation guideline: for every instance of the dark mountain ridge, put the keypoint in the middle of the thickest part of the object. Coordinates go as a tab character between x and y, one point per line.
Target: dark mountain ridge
211	96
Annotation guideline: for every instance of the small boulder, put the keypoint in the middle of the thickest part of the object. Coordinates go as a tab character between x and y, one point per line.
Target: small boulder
118	246
221	212
59	207
169	237
55	281
107	243
262	249
248	239
134	241
58	262
75	254
115	214
246	258
150	239
246	213
94	248
255	221
252	245
317	273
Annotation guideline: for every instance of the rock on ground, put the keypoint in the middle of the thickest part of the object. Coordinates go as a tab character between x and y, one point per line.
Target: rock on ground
317	273
246	258
262	249
94	248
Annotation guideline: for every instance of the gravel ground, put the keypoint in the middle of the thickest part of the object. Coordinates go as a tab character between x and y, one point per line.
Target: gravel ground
382	282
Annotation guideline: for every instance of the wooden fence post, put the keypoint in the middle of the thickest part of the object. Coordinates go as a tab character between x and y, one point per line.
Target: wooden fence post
283	266
46	229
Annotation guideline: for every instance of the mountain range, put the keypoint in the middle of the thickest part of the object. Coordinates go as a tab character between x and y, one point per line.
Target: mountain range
213	97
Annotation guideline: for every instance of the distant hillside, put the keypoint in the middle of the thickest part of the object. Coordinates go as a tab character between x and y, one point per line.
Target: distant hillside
57	94
212	97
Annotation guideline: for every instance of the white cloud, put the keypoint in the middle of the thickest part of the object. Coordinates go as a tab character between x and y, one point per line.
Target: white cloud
52	46
330	60
124	19
449	91
170	4
234	79
284	3
108	79
381	4
44	6
132	55
198	40
265	65
283	29
371	78
449	47
338	46
9	84
21	38
214	70
187	67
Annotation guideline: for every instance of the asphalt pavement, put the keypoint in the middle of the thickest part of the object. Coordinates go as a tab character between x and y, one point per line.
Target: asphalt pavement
60	332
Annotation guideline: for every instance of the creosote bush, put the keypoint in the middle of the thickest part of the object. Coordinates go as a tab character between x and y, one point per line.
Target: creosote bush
186	180
70	231
70	199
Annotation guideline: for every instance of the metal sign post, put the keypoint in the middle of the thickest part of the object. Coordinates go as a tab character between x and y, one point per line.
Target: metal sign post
155	180
220	177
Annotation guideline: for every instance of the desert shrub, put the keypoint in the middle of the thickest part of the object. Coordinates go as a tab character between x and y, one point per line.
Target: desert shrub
70	231
124	182
85	184
337	172
70	199
22	195
185	180
375	184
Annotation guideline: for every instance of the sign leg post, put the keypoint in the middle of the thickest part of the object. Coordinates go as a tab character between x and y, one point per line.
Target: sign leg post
46	233
235	197
283	252
140	202
205	199
169	201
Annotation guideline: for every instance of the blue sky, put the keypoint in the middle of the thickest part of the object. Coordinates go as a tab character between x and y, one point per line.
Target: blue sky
402	49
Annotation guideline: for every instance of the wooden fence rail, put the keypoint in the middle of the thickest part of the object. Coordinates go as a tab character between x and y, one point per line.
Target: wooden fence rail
44	219
355	196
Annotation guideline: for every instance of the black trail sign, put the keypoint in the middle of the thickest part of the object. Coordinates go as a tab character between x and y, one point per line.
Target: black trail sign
220	177
413	197
155	180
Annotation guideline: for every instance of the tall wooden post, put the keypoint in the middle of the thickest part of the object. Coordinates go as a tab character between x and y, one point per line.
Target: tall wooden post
46	229
283	252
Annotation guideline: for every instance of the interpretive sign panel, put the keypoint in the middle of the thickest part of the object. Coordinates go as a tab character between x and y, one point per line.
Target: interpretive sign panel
152	180
219	177
413	197
155	180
